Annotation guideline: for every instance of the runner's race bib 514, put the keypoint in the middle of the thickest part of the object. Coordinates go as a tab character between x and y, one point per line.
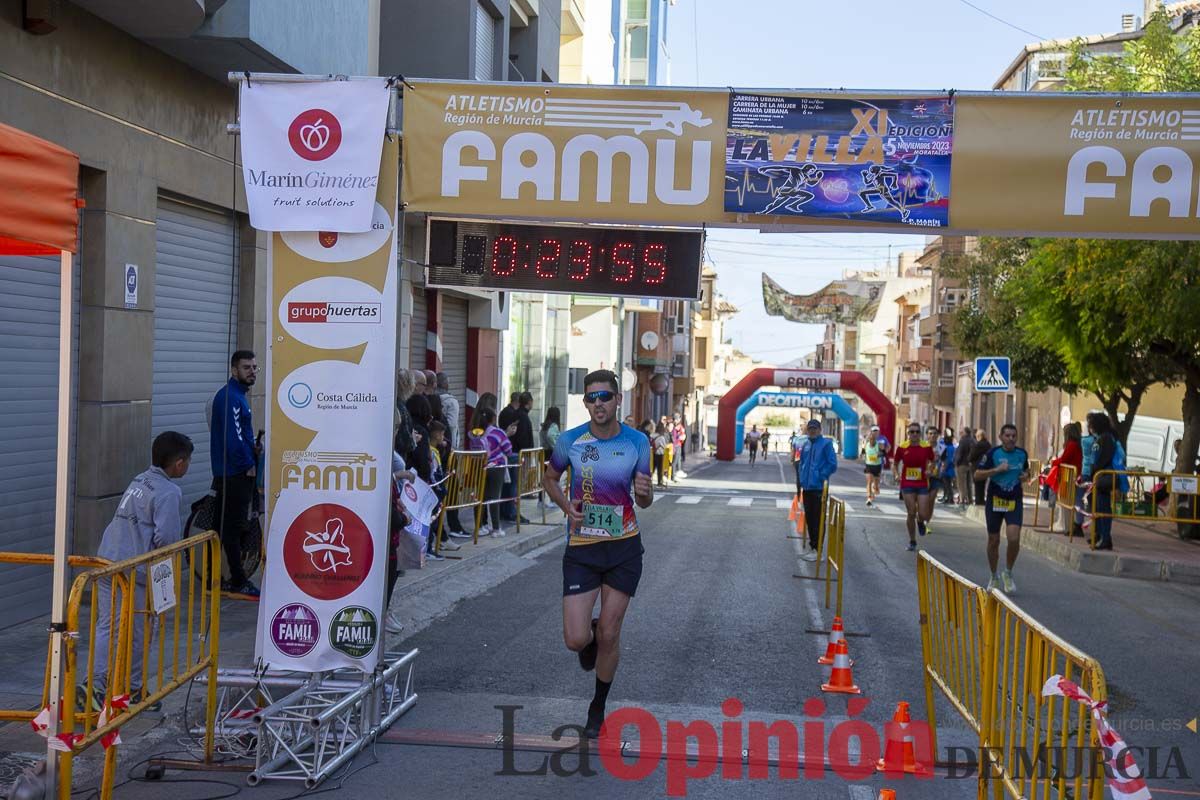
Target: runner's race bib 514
603	521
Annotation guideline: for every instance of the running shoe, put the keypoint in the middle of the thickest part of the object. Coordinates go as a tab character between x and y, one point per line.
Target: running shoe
912	547
921	527
485	531
870	504
432	556
587	656
451	545
1007	581
810	555
459	535
499	532
993	583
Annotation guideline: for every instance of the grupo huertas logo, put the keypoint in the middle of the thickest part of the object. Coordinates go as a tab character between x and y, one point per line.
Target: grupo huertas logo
334	389
334	333
345	246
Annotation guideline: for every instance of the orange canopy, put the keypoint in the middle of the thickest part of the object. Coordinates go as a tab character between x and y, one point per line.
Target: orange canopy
38	210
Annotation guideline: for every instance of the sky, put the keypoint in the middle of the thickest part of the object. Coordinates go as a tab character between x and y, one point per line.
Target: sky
854	44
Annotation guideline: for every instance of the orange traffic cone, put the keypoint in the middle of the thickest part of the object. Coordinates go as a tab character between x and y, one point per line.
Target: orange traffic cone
898	754
841	681
795	505
796	502
836	634
887	794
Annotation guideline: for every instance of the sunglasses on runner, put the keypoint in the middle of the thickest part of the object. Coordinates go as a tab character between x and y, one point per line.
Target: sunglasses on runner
598	397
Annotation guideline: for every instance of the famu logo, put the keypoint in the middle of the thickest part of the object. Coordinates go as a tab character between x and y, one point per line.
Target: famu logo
354	631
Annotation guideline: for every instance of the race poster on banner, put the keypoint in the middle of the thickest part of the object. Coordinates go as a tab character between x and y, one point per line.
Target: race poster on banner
331	405
875	160
310	153
840	301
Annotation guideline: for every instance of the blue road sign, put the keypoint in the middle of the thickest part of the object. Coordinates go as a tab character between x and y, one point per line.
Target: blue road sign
992	374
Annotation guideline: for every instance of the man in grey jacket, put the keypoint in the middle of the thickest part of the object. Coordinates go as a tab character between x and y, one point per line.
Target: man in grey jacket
147	518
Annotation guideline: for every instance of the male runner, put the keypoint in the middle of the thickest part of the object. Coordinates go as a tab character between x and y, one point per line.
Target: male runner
1004	467
913	463
604	550
873	453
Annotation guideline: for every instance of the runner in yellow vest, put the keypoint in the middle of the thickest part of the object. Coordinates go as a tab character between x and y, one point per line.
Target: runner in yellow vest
873	453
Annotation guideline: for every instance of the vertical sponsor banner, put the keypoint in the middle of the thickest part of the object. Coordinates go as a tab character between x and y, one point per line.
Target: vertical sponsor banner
310	152
870	159
331	405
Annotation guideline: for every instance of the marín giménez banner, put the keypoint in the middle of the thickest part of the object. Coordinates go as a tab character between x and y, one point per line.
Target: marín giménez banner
882	160
310	153
840	301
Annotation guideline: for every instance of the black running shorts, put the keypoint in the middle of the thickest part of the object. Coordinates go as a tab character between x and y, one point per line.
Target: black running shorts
617	564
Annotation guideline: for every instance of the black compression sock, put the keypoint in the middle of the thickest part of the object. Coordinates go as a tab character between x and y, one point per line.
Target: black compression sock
601	696
595	717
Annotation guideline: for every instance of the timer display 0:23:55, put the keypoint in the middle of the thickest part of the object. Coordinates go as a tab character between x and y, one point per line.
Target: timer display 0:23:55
550	258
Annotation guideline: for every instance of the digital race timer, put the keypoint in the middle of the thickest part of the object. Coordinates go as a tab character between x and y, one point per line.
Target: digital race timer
565	259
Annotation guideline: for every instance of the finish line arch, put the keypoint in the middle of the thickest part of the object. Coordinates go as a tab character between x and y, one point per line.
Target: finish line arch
798	379
817	402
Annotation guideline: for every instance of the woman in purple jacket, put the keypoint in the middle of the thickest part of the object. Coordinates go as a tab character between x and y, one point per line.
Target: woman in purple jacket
486	436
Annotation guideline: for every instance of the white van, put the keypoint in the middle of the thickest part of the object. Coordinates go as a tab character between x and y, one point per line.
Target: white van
1151	443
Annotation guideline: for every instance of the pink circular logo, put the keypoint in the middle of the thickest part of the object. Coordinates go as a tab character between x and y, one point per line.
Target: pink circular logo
315	134
295	630
328	551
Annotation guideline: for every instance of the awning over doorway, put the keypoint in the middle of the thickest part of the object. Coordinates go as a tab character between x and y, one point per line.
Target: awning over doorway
38	209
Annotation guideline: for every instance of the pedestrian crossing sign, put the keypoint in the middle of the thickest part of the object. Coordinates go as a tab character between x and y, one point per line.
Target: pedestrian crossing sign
992	374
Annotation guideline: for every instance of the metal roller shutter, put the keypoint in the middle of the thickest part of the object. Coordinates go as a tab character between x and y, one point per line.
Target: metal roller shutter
195	319
454	349
419	330
29	425
485	44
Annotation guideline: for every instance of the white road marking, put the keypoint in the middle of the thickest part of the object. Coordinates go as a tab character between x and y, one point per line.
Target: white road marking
783	503
892	511
860	792
742	502
689	499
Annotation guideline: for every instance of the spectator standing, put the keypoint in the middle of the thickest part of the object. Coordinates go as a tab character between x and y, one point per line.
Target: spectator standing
451	410
1071	456
147	518
817	463
978	450
947	467
235	465
964	468
485	436
403	442
1107	454
550	430
430	381
659	442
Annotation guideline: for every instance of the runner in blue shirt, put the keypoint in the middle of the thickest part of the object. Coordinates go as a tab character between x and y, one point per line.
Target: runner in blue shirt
1005	468
603	556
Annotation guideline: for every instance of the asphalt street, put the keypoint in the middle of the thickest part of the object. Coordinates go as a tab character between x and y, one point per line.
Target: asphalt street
719	615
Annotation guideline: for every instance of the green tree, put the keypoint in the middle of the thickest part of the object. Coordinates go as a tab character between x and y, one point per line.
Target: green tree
1106	316
1151	287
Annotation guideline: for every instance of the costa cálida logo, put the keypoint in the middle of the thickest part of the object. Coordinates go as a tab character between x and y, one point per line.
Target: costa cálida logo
328	551
315	134
327	311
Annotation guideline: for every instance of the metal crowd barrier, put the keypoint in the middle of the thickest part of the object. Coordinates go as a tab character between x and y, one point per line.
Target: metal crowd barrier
831	554
1148	493
1036	744
191	625
42	560
990	660
1066	493
531	465
464	488
953	644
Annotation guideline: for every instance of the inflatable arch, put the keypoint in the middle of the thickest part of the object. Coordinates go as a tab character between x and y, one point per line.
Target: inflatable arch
802	380
817	402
